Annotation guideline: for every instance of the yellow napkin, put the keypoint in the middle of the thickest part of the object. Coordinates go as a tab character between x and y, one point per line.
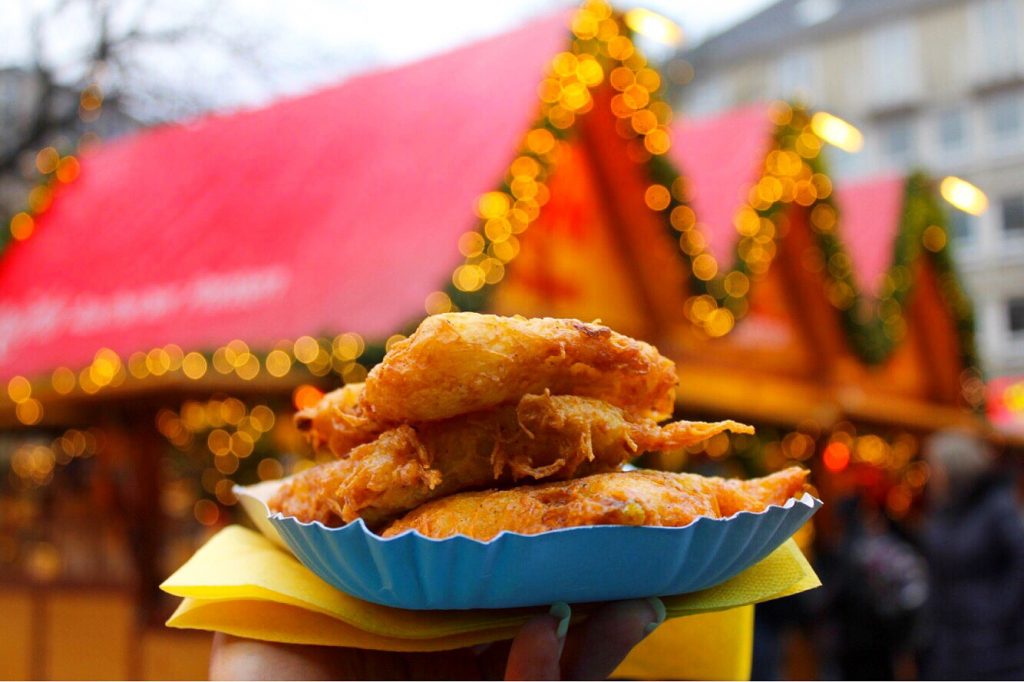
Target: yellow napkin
242	584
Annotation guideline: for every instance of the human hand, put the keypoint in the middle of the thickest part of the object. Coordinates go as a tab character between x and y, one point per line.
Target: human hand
546	648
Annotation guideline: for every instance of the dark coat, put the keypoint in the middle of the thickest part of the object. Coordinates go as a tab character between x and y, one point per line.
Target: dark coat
975	552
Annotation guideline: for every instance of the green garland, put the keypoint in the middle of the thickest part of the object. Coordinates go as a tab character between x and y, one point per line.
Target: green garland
478	301
934	212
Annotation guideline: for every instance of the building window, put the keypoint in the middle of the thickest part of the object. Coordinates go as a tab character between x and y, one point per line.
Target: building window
898	141
961	226
953	130
996	33
893	58
1013	215
1015	315
1004	116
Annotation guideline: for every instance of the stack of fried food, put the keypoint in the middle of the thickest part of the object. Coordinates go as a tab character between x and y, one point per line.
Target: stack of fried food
477	424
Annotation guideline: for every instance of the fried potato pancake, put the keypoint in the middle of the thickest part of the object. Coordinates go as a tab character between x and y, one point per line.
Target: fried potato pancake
338	421
465	362
755	494
633	498
599	430
543	437
378	481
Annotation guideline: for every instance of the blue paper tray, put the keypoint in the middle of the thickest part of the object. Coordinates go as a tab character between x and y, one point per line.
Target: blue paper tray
583	564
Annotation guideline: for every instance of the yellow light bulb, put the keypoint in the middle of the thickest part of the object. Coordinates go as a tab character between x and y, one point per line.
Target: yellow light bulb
963	195
19	389
837	132
657	27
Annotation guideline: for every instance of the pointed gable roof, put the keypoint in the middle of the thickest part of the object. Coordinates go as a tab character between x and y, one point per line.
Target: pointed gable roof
722	157
871	216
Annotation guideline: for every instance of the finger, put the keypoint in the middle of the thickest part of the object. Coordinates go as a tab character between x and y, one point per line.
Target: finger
594	649
538	646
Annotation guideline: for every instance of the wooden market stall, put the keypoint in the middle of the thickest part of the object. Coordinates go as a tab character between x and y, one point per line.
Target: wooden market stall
172	302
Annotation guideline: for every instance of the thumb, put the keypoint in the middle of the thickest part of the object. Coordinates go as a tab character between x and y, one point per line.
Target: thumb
604	640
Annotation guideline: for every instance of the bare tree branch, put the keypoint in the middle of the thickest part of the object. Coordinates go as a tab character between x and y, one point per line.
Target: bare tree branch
122	33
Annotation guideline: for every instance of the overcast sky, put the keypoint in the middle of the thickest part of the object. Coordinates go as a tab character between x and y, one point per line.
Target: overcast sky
394	32
302	44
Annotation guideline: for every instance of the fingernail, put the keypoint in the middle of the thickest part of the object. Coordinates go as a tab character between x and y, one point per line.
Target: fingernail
562	613
659	615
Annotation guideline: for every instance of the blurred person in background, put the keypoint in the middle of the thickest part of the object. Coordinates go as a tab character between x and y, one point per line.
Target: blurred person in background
876	584
974	544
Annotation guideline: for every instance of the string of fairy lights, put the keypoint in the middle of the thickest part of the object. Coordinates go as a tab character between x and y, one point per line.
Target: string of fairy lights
217	442
720	290
601	49
54	169
344	355
33	463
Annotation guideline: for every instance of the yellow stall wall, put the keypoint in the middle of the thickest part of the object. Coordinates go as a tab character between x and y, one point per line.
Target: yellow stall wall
90	634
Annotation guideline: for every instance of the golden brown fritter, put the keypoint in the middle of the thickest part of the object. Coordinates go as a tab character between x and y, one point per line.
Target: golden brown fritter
309	495
633	498
543	437
338	421
464	362
585	428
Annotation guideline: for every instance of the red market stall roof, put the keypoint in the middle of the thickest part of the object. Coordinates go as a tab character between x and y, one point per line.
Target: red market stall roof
337	211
